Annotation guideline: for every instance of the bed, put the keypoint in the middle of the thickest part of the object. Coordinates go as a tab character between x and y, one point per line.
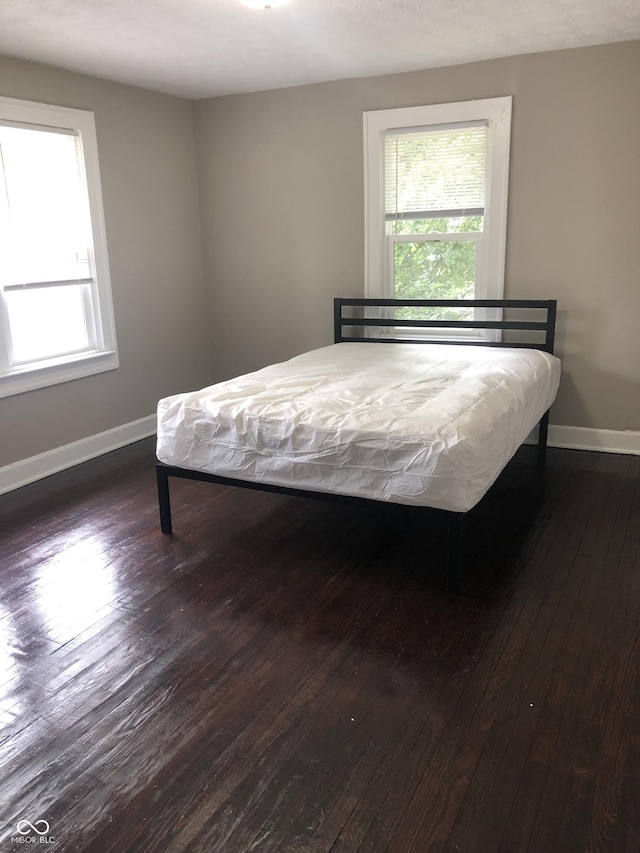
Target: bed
407	406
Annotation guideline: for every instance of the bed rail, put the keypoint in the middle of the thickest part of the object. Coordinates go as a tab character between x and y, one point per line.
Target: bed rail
387	322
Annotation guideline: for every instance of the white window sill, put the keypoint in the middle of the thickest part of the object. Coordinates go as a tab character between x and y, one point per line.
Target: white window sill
55	371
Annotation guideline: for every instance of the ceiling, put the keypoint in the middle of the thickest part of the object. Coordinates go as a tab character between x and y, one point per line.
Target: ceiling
207	48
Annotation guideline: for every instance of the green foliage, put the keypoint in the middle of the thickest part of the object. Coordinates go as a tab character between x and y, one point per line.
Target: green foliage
435	269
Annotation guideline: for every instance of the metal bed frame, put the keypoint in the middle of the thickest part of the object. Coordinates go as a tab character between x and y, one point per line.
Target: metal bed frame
392	332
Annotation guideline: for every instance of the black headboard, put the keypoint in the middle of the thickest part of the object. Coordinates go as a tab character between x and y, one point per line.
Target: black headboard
546	326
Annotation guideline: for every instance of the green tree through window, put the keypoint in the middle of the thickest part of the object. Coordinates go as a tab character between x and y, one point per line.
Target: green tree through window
435	268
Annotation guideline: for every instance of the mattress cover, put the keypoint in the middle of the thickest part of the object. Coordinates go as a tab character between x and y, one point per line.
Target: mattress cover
422	424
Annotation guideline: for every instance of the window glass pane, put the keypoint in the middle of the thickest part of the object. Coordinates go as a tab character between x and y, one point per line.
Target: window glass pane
434	270
47	219
46	322
447	225
435	169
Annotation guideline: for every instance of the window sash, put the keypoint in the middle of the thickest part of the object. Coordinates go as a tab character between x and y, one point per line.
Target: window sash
432	169
475	237
86	326
46	213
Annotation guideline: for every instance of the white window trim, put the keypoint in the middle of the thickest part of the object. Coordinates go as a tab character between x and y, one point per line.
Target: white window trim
103	357
496	112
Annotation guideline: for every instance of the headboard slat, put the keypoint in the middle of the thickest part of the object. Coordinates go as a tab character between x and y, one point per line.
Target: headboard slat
547	326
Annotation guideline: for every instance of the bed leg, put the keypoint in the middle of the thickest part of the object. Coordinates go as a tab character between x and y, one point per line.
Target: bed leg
454	551
163	499
542	438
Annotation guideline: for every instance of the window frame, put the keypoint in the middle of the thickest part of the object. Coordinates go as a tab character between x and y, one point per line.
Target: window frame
491	248
102	354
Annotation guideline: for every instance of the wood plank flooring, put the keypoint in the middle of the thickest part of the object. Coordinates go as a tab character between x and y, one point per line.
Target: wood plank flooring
288	675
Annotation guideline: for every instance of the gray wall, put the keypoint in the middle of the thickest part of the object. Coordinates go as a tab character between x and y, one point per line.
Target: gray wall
147	160
279	177
281	194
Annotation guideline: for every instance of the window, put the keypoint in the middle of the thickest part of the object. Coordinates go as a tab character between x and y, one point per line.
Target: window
436	201
56	317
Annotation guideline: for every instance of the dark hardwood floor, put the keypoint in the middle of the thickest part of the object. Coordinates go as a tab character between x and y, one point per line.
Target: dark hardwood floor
289	675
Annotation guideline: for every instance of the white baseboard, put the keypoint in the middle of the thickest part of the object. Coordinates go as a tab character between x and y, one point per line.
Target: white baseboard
586	438
602	440
36	467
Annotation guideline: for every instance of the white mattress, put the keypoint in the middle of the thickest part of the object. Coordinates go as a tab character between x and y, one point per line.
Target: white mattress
422	424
